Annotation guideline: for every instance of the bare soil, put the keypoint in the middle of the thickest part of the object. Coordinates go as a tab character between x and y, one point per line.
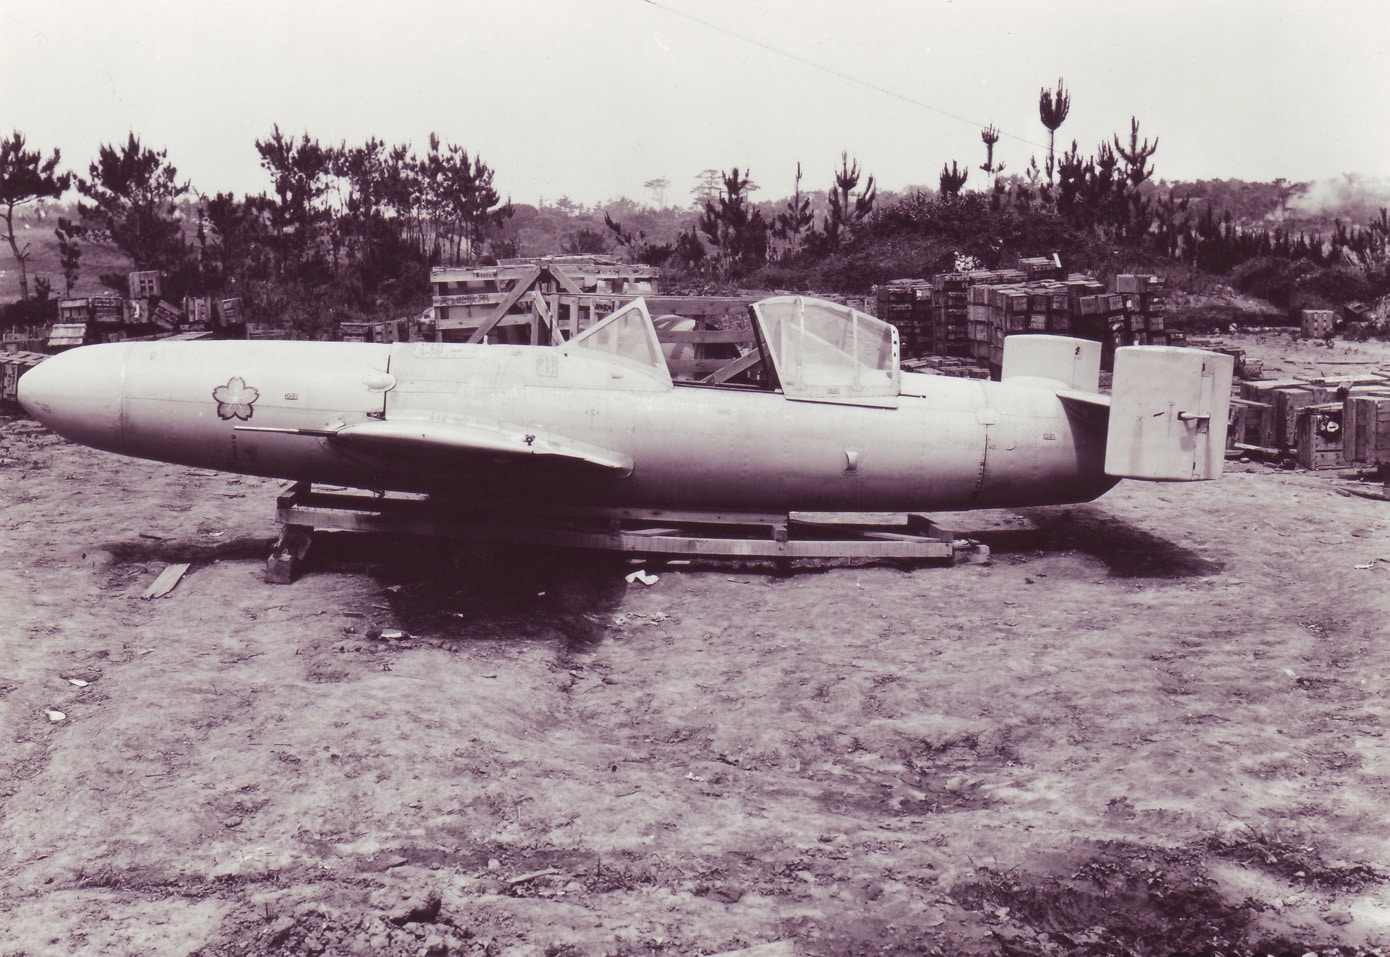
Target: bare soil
1154	724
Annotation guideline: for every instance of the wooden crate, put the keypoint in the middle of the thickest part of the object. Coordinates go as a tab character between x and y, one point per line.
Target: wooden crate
74	310
144	285
1320	436
1319	323
108	309
228	313
1366	427
167	316
1246	424
66	335
1288	403
1137	283
197	311
139	312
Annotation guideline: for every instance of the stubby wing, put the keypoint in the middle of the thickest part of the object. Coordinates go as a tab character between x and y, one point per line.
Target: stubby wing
455	440
485	441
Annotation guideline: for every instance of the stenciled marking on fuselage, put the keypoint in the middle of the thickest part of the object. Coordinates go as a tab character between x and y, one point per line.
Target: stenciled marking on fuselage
236	399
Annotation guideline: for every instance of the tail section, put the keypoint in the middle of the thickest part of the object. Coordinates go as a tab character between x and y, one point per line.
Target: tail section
1168	410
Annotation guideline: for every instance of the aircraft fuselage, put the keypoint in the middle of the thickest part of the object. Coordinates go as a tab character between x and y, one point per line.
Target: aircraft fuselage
272	408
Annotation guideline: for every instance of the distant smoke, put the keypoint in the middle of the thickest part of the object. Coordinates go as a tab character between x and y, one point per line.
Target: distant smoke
1348	195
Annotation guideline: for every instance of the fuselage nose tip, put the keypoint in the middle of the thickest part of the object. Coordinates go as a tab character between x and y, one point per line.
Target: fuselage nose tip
78	394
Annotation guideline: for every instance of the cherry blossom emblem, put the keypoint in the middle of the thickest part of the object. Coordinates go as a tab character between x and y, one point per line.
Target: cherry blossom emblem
235	399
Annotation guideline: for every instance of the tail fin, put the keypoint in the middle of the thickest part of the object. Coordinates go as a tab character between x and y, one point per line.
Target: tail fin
1168	412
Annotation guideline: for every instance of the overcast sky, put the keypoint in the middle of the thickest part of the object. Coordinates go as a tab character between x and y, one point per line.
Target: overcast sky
591	99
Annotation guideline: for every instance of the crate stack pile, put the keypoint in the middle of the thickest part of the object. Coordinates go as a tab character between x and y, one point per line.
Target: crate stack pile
907	305
144	314
950	317
973	313
1323	423
1144	308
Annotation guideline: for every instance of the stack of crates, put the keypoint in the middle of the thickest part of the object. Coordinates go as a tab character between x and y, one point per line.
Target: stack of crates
950	319
973	313
906	304
1143	308
980	326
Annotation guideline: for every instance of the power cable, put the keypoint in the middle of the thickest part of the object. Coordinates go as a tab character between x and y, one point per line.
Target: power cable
817	65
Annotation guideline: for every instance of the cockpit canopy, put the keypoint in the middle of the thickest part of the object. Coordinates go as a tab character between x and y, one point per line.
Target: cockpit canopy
820	351
825	352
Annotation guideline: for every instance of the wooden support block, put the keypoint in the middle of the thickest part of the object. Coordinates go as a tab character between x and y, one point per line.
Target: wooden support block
284	562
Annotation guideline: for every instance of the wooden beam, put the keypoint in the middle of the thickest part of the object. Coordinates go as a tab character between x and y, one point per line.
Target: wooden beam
708	336
745	362
543	313
520	288
566	283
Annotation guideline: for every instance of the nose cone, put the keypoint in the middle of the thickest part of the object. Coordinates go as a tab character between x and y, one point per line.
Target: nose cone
78	394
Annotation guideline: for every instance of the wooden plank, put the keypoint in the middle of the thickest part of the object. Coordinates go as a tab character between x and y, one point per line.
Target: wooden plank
166	582
454	325
470	299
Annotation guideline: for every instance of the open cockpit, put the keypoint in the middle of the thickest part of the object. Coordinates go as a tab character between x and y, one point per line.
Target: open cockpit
808	349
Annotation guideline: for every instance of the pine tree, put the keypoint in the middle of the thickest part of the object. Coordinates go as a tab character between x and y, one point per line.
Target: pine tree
25	176
952	180
1052	110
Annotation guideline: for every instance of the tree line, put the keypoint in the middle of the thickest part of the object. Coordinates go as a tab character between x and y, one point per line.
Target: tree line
355	225
356	228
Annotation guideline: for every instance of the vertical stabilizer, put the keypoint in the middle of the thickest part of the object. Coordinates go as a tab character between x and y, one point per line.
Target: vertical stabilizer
1073	362
1168	412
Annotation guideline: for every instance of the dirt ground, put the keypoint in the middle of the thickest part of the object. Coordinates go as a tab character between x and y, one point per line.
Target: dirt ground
1153	724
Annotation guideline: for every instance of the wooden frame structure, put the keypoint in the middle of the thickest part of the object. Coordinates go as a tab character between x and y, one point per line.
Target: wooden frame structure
302	510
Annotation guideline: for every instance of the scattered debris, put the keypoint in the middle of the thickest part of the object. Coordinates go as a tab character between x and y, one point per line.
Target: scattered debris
524	878
641	576
166	582
55	715
777	948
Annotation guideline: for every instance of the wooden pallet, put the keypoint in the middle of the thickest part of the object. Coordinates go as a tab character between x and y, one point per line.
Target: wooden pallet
706	533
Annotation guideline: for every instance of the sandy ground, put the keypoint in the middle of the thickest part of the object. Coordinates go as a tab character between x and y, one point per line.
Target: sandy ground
1153	724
